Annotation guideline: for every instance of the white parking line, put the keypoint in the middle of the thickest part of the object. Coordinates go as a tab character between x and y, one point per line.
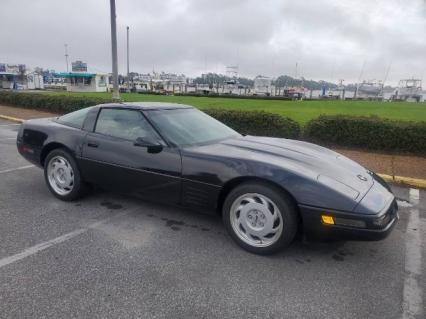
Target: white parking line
16	169
37	248
7	138
8	124
414	195
412	295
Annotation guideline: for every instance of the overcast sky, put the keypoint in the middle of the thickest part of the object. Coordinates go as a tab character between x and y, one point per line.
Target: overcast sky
329	39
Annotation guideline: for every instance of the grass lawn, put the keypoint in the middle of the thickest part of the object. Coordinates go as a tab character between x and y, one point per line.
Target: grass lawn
301	111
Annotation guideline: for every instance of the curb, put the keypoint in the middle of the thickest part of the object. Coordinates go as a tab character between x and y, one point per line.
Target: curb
11	118
414	182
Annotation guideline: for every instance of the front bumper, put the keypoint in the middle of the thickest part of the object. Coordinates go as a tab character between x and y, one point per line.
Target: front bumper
349	226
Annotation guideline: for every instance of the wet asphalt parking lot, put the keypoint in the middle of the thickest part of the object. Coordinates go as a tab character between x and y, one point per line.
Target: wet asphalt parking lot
109	256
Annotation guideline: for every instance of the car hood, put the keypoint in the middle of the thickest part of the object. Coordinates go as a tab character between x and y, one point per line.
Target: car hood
327	166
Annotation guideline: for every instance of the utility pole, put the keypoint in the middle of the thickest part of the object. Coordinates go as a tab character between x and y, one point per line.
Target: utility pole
295	76
66	55
115	90
128	69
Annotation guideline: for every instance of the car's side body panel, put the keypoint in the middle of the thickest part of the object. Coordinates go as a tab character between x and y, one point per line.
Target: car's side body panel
200	195
120	165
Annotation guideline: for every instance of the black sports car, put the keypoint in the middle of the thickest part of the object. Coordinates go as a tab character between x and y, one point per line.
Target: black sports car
265	189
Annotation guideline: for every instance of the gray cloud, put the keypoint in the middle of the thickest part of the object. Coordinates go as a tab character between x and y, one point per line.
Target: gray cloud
329	39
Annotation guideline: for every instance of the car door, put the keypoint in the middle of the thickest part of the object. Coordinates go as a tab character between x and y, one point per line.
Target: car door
112	158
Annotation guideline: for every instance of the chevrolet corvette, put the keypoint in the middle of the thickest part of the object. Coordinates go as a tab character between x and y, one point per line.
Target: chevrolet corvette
265	189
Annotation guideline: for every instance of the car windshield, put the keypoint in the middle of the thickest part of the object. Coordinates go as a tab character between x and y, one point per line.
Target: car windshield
185	127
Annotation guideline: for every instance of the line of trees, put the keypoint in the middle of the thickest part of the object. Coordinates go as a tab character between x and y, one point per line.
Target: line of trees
213	79
286	81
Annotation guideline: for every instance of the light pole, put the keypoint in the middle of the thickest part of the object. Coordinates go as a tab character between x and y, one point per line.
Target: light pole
115	90
66	55
128	72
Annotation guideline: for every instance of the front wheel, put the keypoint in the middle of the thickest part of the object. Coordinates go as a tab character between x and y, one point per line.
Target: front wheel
260	218
62	175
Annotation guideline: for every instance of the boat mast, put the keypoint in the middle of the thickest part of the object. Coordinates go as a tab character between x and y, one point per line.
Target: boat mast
386	77
359	79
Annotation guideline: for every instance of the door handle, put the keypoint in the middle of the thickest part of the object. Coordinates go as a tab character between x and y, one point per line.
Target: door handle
92	144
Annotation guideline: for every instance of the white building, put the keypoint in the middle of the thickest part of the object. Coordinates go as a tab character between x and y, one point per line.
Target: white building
84	82
16	76
35	81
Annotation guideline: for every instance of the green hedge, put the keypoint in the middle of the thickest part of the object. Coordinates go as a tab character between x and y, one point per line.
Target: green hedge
368	133
371	133
257	123
235	96
253	123
49	102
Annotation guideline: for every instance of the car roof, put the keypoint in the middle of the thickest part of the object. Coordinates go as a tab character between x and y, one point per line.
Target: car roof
147	105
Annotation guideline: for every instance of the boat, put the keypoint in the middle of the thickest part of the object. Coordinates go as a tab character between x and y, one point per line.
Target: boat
369	89
409	90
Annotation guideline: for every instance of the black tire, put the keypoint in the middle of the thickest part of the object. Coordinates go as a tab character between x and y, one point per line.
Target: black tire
283	202
79	187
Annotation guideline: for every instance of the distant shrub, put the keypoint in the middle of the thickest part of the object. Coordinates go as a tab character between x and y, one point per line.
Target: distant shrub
151	93
257	123
50	102
371	133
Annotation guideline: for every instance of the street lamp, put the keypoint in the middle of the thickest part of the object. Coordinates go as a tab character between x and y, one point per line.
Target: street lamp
115	90
66	55
128	72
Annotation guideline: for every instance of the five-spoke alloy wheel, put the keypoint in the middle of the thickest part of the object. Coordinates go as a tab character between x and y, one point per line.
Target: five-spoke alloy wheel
260	218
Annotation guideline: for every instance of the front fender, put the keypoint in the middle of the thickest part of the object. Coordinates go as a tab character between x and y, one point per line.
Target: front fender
305	187
298	180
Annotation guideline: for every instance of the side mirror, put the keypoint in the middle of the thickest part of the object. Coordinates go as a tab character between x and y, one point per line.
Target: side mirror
152	145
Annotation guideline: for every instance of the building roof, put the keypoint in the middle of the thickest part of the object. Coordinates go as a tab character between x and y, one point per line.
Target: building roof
75	74
8	73
148	105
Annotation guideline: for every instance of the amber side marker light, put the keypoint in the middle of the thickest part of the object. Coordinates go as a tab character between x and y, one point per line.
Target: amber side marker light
327	219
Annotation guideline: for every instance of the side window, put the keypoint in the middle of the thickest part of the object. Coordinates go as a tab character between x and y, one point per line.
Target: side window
127	124
74	119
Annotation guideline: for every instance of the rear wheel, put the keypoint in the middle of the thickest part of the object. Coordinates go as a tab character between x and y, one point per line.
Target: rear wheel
63	176
260	218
